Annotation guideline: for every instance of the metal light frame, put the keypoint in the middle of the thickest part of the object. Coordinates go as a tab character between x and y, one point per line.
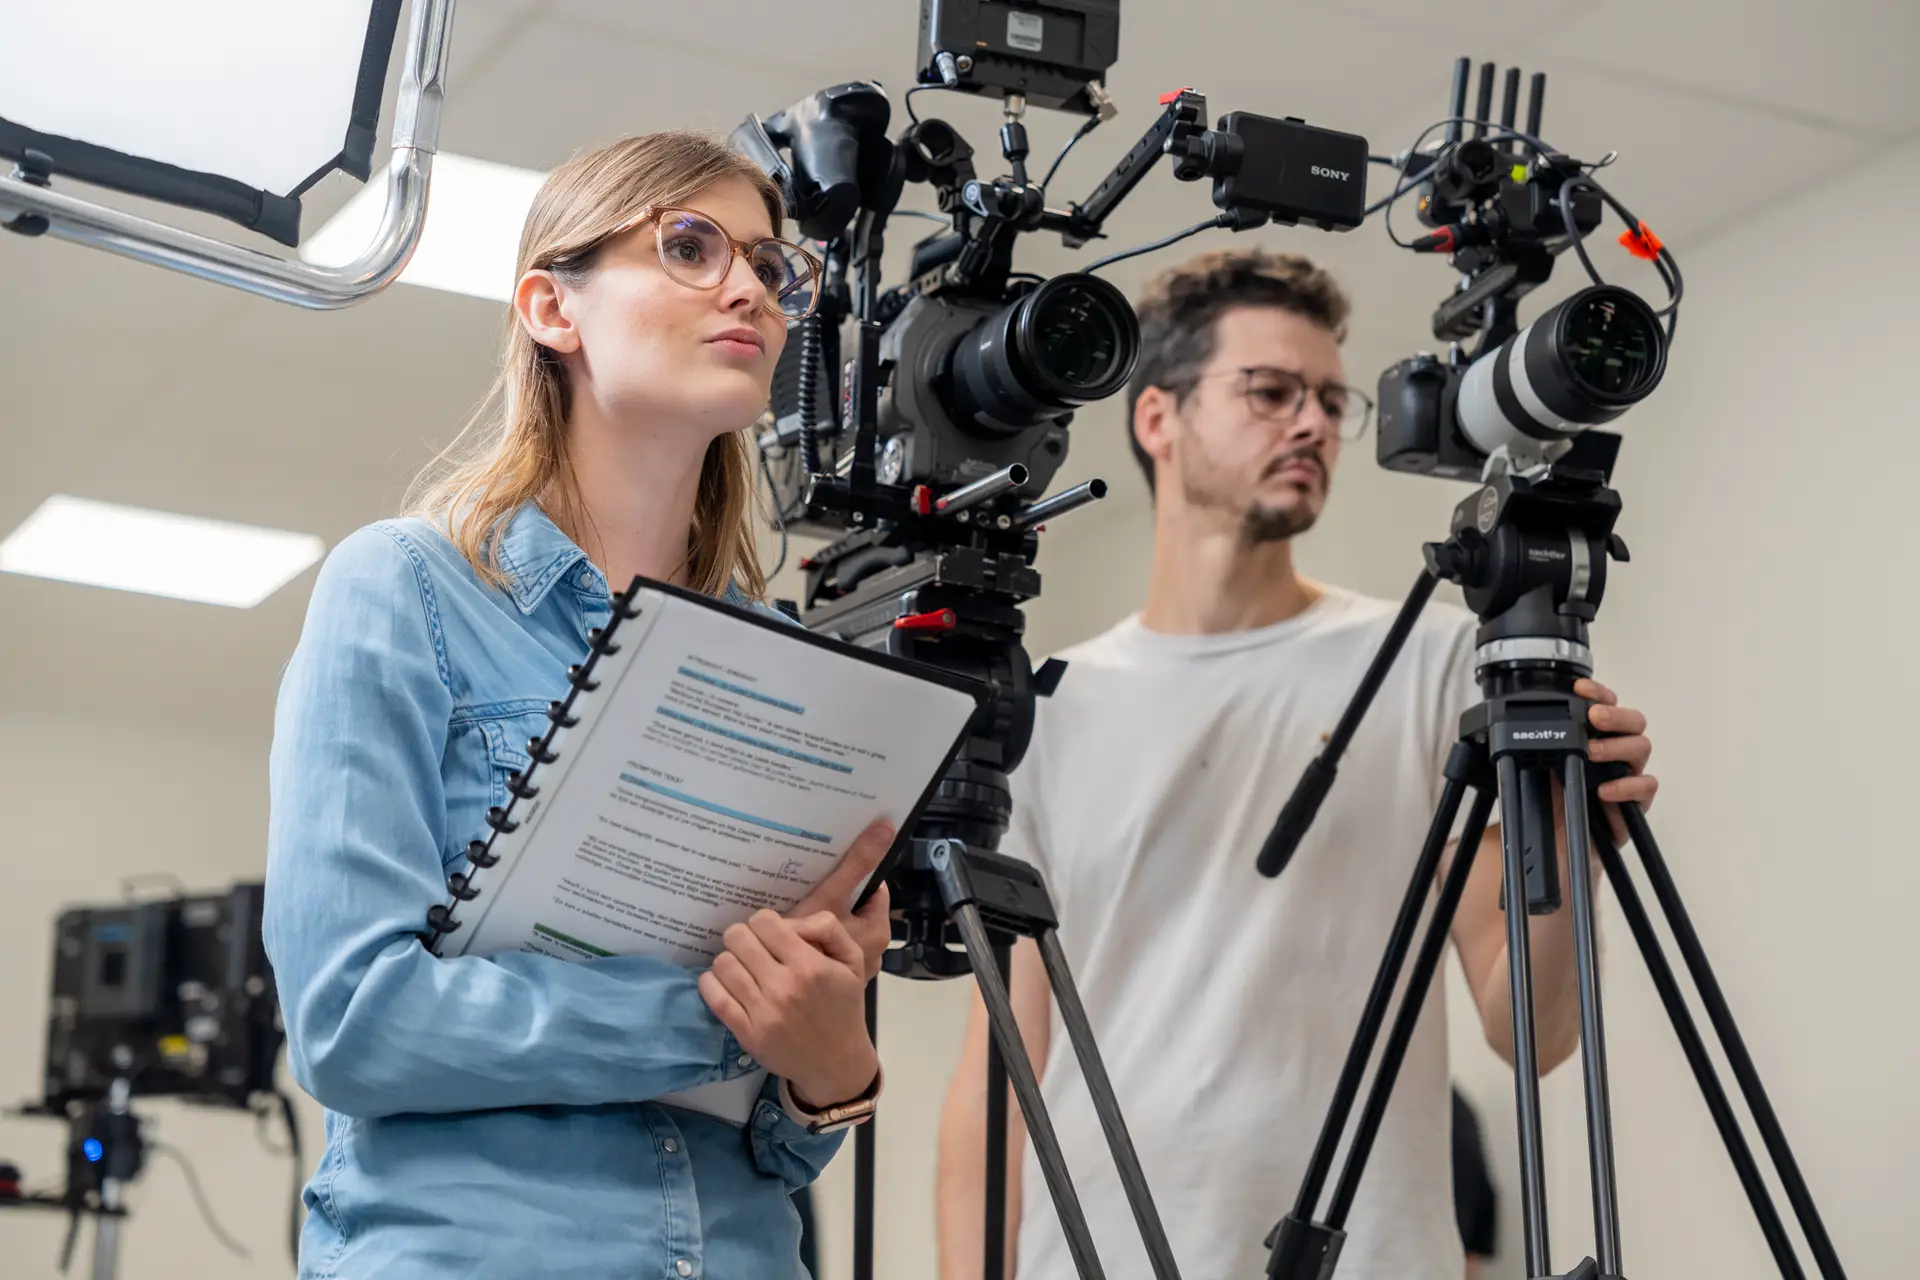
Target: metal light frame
416	136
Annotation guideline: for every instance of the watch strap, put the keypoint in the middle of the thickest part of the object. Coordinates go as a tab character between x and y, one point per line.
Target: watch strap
840	1115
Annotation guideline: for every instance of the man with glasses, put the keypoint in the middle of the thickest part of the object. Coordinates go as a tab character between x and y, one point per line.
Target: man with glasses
1224	1003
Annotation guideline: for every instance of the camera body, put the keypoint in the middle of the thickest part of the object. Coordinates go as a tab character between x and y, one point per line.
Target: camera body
175	995
1419	432
1582	363
923	437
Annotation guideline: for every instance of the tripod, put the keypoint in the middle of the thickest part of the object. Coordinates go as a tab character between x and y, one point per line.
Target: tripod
936	607
105	1153
1530	553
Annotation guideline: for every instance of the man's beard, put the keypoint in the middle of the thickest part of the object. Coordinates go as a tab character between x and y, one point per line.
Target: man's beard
1206	485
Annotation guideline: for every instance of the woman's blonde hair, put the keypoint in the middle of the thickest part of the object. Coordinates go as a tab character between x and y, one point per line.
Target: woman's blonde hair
514	449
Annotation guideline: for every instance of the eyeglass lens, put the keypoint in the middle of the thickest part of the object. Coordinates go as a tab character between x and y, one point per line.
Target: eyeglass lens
697	253
1276	393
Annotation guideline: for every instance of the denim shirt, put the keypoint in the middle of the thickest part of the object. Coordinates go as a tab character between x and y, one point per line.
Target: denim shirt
485	1117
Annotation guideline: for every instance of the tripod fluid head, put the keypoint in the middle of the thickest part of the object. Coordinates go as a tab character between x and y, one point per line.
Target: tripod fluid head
1530	554
1529	551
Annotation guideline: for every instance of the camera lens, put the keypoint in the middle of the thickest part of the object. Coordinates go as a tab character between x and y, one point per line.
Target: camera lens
1075	339
1610	349
1069	342
1584	362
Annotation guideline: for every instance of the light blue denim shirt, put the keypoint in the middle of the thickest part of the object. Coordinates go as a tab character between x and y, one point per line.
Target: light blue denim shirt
484	1117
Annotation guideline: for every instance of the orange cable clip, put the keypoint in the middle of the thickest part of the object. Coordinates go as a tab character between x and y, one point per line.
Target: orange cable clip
1642	243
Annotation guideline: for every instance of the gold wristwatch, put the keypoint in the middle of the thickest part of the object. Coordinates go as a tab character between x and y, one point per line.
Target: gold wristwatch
841	1115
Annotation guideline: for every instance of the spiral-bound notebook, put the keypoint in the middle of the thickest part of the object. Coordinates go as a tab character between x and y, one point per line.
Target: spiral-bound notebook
704	763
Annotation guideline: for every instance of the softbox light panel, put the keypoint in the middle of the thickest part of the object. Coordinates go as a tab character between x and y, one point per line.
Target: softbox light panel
231	107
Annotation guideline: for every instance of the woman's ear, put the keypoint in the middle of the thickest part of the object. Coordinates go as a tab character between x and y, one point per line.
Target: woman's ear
536	300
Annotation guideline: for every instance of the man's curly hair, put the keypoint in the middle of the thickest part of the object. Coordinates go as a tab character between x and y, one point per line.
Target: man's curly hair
1182	306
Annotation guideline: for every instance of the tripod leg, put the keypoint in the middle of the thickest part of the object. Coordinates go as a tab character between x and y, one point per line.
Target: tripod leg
1432	947
1721	1015
865	1156
106	1247
1593	1044
1695	1049
995	1265
1347	1088
1073	1015
1526	1059
1026	1089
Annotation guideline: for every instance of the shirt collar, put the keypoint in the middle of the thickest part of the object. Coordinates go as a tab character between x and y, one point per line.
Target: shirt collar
535	555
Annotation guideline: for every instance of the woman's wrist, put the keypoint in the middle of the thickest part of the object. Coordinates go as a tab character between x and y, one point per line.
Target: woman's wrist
819	1090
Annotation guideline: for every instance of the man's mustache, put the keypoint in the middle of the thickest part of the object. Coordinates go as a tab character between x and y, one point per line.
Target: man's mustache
1306	453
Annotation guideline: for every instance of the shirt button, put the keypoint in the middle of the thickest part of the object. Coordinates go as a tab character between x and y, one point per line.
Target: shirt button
746	1061
684	1267
672	1145
586	580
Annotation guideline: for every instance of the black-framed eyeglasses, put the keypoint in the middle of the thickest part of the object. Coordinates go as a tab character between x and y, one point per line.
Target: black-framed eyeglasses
1276	395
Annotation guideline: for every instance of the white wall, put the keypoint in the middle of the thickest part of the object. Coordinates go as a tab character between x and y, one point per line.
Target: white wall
86	804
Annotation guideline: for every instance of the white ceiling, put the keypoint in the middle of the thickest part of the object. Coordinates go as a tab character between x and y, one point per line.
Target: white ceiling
125	383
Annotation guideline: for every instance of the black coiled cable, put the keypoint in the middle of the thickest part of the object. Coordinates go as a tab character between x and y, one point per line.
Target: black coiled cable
809	390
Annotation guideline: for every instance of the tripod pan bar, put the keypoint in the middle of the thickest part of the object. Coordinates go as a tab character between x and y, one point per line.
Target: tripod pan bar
1301	807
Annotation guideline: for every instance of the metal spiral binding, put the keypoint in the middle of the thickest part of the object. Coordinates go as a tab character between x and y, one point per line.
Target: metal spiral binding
480	854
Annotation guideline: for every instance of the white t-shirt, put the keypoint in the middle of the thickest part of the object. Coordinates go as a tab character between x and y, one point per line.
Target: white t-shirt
1224	1003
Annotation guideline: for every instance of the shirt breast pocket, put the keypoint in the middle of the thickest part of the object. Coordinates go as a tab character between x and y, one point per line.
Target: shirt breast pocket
508	750
485	759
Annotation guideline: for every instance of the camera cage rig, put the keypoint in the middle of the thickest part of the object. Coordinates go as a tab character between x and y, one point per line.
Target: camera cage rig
1515	402
935	568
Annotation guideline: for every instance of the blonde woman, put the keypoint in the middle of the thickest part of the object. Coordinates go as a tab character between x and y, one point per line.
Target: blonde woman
489	1116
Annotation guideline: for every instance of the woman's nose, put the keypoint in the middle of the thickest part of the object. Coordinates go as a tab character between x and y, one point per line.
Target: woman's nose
741	287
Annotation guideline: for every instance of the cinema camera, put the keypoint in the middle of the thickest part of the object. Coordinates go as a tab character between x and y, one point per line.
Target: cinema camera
924	459
1503	214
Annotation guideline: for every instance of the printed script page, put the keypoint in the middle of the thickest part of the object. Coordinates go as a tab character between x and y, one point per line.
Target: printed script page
723	767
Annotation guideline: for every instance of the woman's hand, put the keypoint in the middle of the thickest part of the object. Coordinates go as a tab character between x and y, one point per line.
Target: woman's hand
791	988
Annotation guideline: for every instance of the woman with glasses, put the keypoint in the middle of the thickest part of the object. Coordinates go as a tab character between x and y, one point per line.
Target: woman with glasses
490	1116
